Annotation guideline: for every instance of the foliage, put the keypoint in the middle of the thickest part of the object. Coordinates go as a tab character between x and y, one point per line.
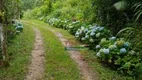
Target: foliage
73	26
65	24
9	9
19	55
138	10
29	4
119	53
92	34
116	14
69	9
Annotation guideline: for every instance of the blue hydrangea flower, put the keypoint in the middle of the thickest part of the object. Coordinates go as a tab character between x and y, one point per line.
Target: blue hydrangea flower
126	44
113	38
97	28
86	30
98	54
94	26
101	28
123	50
94	30
106	51
98	35
98	46
92	34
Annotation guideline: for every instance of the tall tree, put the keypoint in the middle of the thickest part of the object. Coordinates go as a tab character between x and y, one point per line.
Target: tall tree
9	9
3	33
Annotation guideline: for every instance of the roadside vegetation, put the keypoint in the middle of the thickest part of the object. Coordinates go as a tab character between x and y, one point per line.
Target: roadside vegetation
19	55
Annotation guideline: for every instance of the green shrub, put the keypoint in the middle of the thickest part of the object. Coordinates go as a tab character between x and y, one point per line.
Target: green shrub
120	54
92	35
58	23
74	26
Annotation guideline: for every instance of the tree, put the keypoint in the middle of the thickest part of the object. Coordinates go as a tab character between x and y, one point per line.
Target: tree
2	33
9	9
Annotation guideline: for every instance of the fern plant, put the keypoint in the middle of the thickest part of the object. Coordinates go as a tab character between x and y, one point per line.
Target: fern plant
138	11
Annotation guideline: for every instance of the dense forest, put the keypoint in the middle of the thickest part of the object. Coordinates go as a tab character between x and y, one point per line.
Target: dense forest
110	28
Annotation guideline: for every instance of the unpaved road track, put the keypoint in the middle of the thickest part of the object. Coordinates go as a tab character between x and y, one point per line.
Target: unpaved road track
85	71
36	68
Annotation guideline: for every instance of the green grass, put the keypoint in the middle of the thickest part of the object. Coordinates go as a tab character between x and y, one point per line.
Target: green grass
59	65
102	71
19	55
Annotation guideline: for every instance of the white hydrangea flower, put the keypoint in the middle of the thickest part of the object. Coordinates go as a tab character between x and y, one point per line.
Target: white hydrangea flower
98	46
86	36
98	35
83	39
91	40
112	38
98	54
132	52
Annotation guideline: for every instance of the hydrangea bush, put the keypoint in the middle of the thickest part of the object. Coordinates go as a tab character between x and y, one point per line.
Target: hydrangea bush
116	52
119	53
80	33
58	23
74	26
92	35
53	21
65	24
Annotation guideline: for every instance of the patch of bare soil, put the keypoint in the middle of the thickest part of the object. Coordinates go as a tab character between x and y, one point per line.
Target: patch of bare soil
85	70
36	68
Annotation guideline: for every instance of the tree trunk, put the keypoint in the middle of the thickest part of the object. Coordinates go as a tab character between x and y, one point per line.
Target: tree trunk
3	46
3	36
